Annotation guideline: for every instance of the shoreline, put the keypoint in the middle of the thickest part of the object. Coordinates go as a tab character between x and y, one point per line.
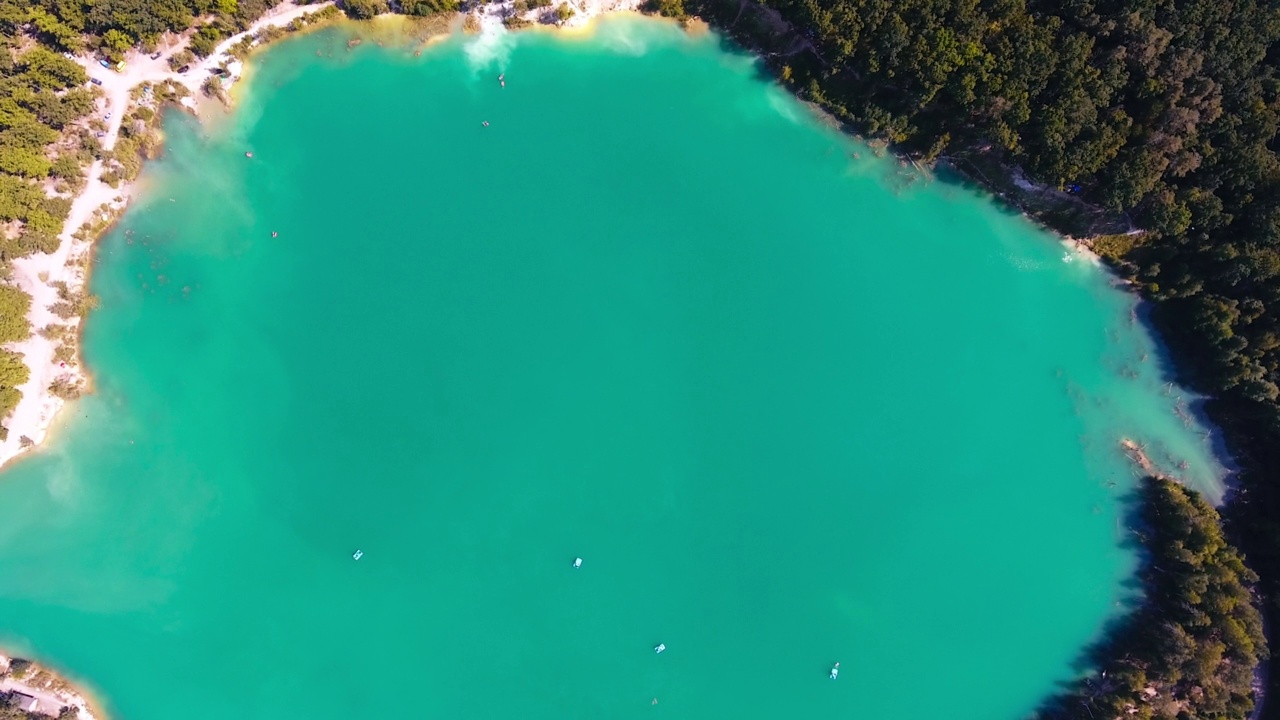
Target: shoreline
38	275
97	206
98	202
52	690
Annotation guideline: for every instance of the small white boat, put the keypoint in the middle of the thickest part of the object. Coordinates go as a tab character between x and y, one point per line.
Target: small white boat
660	649
577	562
835	671
357	555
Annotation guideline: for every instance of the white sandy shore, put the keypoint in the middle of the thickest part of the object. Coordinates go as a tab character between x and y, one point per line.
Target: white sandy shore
584	11
29	424
37	274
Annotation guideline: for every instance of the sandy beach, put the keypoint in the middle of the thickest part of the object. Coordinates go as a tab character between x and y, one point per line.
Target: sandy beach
39	275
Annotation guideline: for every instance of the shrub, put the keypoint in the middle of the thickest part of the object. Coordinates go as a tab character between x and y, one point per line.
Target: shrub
205	40
65	388
364	9
183	57
423	8
14	306
66	166
667	8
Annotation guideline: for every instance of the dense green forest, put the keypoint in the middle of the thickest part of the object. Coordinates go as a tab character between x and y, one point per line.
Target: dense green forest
1191	649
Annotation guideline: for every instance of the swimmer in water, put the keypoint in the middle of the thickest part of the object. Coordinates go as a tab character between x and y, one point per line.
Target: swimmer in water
485	123
248	154
275	234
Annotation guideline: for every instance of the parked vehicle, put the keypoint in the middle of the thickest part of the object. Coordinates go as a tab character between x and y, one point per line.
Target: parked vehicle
95	81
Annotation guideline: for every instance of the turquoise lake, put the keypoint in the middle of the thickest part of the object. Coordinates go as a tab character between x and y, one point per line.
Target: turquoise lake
790	403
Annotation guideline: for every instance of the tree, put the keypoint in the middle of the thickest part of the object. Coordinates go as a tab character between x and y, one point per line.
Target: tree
66	167
53	31
181	58
14	306
363	9
668	8
205	40
138	18
44	69
13	373
428	7
115	43
24	161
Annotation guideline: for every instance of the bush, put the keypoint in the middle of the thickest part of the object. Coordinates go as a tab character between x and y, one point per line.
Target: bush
14	306
364	9
19	667
66	166
205	40
65	388
424	8
13	373
183	57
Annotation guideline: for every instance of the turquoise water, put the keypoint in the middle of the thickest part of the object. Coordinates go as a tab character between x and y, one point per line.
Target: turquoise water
790	406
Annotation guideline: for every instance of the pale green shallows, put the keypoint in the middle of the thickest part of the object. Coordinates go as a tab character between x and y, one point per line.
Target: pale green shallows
789	408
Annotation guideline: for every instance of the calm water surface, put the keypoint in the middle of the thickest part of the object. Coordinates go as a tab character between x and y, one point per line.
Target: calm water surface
790	407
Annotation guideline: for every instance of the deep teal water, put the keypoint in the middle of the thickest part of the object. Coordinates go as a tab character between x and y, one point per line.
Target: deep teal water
790	406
